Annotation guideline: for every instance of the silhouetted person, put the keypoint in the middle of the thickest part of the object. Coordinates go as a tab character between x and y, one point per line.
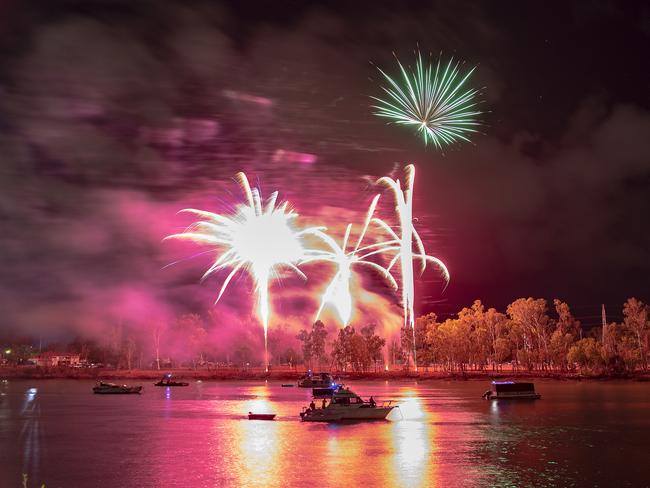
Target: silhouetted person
372	402
324	402
312	405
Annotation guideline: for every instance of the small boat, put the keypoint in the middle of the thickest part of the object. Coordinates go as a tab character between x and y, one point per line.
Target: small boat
261	416
316	380
167	381
103	388
288	385
511	390
346	406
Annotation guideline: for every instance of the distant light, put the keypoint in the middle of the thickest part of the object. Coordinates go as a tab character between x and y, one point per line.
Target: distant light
7	351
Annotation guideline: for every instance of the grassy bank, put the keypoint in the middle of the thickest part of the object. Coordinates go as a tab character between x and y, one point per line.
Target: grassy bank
291	375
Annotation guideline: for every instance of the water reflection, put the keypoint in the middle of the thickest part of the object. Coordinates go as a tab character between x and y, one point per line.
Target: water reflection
30	434
442	435
413	440
256	443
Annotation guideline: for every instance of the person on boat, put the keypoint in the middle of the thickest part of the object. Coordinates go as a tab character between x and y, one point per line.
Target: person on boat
312	405
372	402
324	403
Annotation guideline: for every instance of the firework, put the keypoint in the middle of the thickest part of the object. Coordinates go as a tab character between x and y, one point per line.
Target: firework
259	238
435	101
338	293
404	249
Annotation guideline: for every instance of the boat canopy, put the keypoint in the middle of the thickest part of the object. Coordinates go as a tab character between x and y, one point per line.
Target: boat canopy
511	387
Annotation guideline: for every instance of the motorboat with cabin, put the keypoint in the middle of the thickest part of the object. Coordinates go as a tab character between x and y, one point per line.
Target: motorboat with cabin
511	390
345	405
167	381
103	388
316	380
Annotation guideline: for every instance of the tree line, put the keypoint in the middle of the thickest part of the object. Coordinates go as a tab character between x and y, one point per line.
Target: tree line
529	336
525	338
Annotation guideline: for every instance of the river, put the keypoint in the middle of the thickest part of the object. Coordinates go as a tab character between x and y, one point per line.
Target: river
442	434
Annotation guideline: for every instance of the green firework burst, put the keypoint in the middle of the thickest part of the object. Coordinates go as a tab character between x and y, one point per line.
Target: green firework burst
434	99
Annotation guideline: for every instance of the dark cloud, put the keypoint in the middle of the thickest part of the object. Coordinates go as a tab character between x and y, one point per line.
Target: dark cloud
114	116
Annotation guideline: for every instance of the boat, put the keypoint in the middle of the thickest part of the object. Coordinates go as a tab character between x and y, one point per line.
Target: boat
261	416
167	381
324	392
103	388
511	390
316	380
346	405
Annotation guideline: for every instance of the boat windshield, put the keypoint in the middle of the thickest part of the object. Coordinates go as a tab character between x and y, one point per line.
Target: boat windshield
347	400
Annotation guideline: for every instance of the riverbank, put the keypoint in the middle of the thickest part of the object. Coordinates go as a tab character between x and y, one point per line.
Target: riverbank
291	375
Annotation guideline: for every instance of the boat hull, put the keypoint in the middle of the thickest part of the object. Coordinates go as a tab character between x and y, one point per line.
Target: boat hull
364	414
122	391
261	416
533	396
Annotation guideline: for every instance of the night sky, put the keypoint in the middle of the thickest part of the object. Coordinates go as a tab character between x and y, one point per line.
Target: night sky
116	114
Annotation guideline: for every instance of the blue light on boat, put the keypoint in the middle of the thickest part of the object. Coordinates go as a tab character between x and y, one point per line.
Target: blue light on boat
503	382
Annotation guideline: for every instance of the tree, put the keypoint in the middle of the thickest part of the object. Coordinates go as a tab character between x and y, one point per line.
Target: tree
318	335
342	348
359	356
530	315
374	344
635	319
424	349
406	345
587	354
305	337
497	326
129	351
290	356
313	343
191	336
559	347
395	352
567	331
566	323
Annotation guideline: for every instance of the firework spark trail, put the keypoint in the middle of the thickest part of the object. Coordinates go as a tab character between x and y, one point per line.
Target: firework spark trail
258	238
338	292
404	249
434	102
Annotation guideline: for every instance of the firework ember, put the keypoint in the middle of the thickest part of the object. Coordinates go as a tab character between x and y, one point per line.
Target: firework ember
405	255
432	100
338	293
259	238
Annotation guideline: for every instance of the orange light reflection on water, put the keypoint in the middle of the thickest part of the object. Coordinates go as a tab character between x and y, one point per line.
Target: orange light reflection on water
257	443
286	452
412	437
